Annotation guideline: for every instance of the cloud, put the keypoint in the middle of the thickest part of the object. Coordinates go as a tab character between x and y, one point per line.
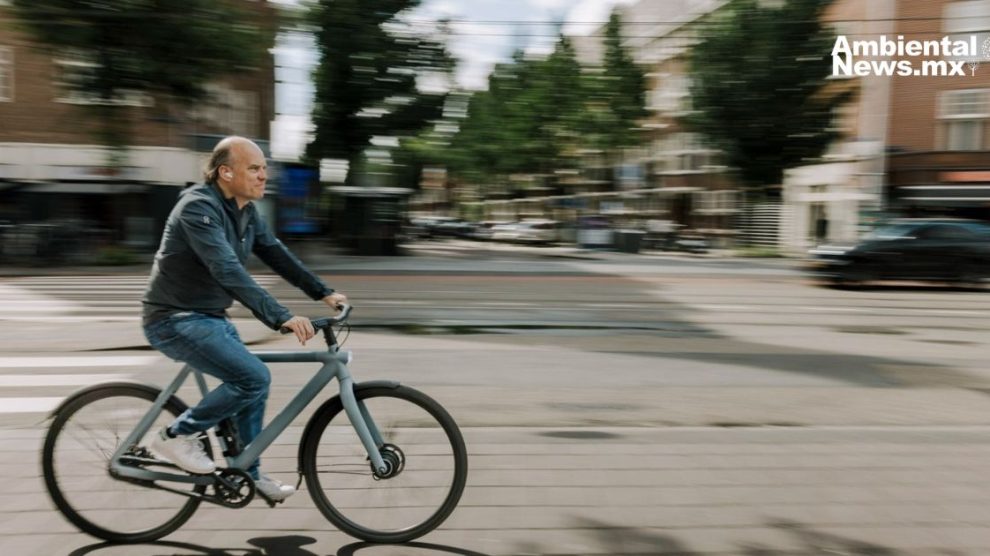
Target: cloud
550	5
588	15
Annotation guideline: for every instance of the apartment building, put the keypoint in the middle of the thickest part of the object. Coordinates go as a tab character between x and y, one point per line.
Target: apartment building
53	172
840	197
938	159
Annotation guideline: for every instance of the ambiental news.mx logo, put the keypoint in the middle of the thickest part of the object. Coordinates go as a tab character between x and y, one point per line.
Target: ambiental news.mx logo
946	57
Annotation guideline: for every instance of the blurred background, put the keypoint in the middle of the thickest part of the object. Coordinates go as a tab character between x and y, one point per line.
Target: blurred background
663	235
620	125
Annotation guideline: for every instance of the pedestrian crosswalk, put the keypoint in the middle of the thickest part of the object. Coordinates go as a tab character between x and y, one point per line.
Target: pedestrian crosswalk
34	381
78	298
31	386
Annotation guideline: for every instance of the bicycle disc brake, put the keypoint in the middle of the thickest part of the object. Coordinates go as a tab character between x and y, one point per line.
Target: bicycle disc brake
234	488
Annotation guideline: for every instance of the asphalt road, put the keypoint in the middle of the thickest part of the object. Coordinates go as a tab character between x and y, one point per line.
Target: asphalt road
612	405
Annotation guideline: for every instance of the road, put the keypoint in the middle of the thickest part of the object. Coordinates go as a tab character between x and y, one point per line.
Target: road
612	405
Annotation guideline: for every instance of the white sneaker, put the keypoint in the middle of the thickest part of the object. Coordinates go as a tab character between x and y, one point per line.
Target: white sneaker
185	451
274	489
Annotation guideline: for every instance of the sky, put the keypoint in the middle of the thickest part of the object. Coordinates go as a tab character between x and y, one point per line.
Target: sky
485	32
488	31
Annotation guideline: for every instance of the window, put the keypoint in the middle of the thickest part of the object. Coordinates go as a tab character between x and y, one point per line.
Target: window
73	69
724	201
232	110
6	74
684	152
962	20
672	94
963	116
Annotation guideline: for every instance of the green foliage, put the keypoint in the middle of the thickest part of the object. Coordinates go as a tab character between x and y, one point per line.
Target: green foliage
113	255
538	115
366	82
758	86
154	47
618	95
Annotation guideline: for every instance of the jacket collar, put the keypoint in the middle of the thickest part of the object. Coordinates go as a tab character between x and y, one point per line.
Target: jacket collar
231	203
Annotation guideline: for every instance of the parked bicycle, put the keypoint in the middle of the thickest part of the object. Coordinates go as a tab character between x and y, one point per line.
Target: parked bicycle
382	462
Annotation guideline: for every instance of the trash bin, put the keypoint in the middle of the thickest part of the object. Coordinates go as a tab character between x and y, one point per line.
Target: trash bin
628	241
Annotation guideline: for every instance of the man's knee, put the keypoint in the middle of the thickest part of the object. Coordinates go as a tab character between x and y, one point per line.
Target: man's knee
255	382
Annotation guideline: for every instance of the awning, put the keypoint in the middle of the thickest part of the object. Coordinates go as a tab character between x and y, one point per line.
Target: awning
86	188
957	195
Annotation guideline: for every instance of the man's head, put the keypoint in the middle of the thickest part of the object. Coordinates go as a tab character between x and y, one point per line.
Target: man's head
238	167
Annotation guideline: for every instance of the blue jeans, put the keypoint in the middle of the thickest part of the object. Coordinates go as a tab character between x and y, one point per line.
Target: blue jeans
212	345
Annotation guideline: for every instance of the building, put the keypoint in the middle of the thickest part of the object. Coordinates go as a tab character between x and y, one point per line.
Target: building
838	198
938	160
53	174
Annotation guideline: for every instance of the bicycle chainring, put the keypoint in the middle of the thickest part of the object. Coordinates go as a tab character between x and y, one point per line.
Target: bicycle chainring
234	488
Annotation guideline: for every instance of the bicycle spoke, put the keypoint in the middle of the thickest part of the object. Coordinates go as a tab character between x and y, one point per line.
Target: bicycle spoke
428	469
78	448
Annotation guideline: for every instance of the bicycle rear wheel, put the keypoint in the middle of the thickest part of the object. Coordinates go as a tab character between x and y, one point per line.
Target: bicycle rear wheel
75	461
421	440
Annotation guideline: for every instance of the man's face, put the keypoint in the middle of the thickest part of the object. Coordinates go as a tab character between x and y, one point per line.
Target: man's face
248	173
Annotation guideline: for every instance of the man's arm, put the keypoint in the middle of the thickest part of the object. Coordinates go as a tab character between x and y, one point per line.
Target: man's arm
202	224
278	257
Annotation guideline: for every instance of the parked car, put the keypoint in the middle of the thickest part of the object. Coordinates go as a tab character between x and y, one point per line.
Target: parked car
486	228
537	231
528	231
910	249
505	231
454	227
439	226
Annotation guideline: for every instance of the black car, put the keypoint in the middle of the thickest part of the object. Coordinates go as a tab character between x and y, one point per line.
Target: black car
911	249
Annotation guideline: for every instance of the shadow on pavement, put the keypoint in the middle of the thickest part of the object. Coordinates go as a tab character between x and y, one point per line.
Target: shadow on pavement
815	542
630	540
426	547
287	545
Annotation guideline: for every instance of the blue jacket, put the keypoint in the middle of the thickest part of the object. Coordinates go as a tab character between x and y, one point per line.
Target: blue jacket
200	263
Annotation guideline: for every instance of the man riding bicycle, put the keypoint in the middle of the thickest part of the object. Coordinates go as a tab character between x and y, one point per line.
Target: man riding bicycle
198	271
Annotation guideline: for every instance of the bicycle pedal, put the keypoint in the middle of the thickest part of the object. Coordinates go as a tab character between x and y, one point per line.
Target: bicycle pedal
271	503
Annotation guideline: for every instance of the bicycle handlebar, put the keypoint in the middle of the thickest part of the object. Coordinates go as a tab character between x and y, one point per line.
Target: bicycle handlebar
324	323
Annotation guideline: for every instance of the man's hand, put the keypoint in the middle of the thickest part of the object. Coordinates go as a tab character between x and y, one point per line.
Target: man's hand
335	299
302	328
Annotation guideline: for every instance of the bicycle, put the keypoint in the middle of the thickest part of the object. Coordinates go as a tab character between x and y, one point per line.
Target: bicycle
383	462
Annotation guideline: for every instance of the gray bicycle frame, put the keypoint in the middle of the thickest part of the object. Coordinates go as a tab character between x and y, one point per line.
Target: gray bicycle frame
334	366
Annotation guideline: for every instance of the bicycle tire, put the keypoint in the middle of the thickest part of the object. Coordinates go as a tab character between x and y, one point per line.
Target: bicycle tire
65	460
432	448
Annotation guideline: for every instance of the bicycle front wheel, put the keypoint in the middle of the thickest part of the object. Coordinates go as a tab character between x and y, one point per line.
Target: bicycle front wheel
424	447
76	460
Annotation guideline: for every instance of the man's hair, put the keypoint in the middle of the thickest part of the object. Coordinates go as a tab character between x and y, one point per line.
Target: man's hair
221	157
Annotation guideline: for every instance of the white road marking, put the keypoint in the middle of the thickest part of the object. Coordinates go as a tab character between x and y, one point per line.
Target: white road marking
57	380
16	362
28	405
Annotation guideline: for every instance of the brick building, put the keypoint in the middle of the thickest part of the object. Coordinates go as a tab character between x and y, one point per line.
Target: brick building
939	139
53	172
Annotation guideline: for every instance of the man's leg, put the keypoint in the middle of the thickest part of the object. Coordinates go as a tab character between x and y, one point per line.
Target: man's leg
211	344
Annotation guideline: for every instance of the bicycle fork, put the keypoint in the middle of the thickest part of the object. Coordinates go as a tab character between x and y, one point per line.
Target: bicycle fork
363	424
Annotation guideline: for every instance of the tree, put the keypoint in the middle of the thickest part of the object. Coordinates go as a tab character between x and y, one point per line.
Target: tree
617	95
169	50
366	81
526	122
759	89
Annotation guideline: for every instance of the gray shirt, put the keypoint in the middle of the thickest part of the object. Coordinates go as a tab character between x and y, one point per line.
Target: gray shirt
200	264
